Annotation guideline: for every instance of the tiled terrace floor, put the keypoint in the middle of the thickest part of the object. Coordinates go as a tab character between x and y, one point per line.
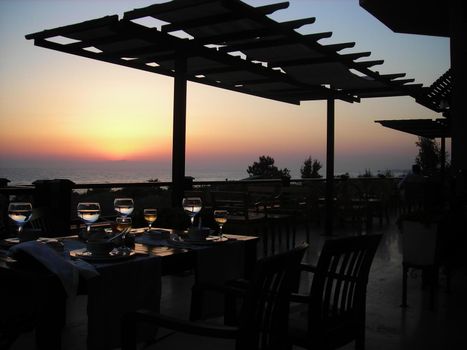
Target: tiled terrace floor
389	327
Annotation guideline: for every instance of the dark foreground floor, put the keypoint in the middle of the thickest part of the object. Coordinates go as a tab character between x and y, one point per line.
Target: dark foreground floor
388	325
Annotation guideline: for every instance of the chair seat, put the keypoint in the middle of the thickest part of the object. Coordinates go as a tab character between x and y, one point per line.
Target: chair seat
331	336
179	340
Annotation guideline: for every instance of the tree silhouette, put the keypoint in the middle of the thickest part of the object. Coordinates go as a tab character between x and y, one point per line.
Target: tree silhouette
310	168
429	156
266	169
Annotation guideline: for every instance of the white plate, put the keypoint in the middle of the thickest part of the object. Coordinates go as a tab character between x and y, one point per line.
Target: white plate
187	241
114	255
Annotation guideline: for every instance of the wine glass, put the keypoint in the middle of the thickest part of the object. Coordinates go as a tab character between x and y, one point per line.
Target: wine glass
220	216
123	226
124	206
89	212
20	213
192	206
150	215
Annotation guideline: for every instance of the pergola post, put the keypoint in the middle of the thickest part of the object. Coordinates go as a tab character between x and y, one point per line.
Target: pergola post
179	130
443	158
458	110
329	218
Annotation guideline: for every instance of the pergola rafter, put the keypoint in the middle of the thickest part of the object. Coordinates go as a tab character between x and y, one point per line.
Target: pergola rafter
274	62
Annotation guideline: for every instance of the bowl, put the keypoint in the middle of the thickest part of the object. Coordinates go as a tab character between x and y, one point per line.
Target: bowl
99	247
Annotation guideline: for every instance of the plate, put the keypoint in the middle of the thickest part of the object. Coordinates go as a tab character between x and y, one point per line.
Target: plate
208	241
114	255
157	233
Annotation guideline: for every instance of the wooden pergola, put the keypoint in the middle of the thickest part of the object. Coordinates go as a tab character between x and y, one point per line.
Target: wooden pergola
231	45
446	19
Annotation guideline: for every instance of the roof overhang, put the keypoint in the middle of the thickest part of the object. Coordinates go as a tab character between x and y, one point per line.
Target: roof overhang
438	128
230	45
427	17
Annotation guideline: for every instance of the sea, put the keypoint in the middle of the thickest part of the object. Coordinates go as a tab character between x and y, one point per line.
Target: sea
26	176
91	175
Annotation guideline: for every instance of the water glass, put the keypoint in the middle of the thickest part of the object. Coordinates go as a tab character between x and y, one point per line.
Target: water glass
89	213
192	206
124	206
20	213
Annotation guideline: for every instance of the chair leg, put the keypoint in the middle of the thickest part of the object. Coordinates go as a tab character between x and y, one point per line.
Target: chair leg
434	279
128	333
404	286
360	342
196	307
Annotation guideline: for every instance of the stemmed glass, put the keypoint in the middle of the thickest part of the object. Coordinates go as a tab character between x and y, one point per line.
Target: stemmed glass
123	226
124	206
89	212
20	213
192	206
150	215
220	216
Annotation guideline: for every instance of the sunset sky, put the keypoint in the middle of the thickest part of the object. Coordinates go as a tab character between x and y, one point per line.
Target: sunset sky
57	109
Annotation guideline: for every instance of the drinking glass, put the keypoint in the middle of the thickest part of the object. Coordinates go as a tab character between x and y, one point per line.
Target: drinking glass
192	206
150	215
20	213
220	216
89	212
124	206
123	225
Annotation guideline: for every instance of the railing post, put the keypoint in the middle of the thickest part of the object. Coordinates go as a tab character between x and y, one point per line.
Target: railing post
54	196
3	208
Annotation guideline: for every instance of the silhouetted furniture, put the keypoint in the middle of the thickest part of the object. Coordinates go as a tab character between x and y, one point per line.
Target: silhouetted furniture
243	216
351	205
39	220
336	303
32	299
419	251
294	204
264	315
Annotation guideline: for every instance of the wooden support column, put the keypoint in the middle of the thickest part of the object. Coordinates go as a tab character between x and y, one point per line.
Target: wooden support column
443	159
329	219
458	107
179	131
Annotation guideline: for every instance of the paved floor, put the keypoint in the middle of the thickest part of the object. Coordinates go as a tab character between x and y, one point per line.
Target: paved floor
389	326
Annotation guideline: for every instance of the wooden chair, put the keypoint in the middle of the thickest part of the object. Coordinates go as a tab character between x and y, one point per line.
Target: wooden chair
244	217
350	203
264	314
294	203
335	313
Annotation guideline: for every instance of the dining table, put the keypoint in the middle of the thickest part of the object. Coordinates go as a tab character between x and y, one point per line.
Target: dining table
35	290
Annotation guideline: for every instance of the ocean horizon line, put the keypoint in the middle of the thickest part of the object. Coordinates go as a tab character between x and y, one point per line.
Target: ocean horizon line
26	176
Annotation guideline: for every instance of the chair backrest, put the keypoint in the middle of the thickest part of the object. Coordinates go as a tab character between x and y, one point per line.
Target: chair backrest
419	243
264	316
39	220
236	202
338	290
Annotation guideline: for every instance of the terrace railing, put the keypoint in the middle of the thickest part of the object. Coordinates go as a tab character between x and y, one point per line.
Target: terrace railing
58	198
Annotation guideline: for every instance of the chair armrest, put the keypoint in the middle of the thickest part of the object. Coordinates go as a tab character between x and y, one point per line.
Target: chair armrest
299	298
199	328
232	290
235	287
307	268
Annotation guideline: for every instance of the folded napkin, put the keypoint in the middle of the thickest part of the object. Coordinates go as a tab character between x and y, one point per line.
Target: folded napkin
67	272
